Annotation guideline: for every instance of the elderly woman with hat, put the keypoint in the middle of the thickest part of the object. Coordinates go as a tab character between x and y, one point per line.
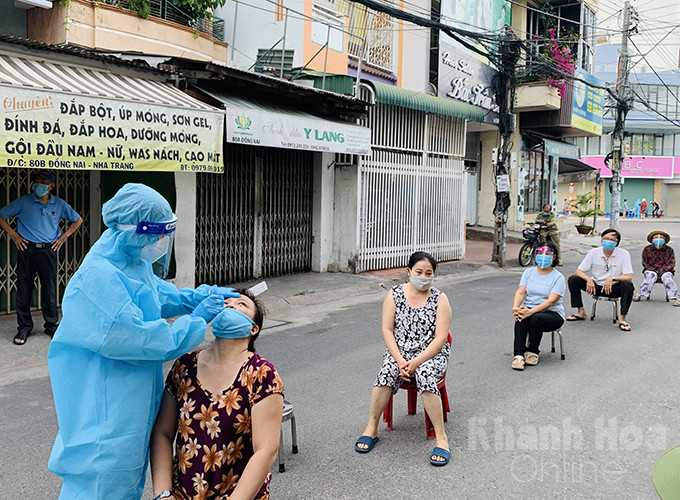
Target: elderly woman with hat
658	263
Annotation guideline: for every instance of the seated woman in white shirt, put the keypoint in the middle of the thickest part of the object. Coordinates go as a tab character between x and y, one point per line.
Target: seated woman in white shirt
605	271
537	307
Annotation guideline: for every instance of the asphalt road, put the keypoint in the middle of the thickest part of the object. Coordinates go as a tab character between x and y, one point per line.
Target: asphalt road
638	229
590	426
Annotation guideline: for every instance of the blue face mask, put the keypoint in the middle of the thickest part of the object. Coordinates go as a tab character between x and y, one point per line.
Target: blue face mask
608	244
40	190
659	242
544	261
232	324
546	213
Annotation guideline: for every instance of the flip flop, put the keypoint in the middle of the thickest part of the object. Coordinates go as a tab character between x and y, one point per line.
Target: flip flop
20	338
518	363
531	358
442	453
624	327
368	441
573	317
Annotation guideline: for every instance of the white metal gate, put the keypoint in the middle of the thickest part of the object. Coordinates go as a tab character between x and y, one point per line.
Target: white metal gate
74	188
412	188
254	220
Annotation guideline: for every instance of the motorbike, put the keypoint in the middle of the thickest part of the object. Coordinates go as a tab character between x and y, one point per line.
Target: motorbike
532	236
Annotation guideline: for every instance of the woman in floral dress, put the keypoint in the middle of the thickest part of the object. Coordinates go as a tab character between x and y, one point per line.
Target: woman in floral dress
415	326
223	405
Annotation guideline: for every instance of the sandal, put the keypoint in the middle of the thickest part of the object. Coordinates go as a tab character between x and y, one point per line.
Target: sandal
676	302
368	441
531	358
518	363
637	297
574	317
440	453
20	338
624	327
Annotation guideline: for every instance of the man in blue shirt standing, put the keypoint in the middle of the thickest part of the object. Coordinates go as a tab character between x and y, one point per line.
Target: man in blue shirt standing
38	239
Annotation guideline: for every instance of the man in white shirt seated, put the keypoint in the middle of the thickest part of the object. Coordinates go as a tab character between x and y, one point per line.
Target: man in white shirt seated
605	271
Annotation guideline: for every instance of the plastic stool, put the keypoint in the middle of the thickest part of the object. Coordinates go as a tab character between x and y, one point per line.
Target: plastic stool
552	349
658	280
615	304
288	414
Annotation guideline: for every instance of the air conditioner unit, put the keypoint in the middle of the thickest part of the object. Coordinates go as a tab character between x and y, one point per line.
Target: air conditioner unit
29	4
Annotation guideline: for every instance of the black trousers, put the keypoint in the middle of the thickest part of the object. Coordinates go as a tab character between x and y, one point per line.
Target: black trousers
622	289
44	262
533	327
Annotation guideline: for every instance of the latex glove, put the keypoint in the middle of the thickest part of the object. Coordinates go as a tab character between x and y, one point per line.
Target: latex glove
209	308
224	291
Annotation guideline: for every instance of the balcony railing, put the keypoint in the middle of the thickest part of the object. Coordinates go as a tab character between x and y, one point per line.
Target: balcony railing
170	12
377	29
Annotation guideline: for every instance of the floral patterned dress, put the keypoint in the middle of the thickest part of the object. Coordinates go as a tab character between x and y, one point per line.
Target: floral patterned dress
214	434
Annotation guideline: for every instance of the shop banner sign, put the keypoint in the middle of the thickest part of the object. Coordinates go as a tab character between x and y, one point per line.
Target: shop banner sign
645	167
42	129
261	128
588	103
465	75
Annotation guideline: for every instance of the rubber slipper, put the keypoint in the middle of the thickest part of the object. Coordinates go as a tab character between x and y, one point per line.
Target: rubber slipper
518	363
368	441
573	317
442	453
20	338
624	327
531	358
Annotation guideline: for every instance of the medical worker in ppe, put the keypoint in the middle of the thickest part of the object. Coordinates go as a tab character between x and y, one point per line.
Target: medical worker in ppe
106	357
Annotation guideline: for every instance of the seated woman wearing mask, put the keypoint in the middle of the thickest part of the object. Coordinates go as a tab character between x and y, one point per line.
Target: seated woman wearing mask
658	263
222	407
537	307
415	326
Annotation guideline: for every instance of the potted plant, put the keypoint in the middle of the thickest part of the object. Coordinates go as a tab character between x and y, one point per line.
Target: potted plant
582	209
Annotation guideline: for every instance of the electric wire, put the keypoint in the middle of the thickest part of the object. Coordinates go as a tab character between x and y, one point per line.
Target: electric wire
644	102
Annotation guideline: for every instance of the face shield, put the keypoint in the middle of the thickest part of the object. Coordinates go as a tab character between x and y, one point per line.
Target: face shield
159	252
544	257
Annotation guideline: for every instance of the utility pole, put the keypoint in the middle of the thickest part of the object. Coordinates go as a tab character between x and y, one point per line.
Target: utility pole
622	106
504	89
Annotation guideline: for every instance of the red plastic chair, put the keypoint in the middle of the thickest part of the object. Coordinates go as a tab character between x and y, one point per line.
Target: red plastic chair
412	389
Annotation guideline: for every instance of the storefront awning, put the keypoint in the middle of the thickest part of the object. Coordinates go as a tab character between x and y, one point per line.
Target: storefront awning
561	149
62	116
265	124
388	94
572	166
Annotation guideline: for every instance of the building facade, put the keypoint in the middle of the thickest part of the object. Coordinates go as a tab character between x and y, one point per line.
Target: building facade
186	151
651	167
409	193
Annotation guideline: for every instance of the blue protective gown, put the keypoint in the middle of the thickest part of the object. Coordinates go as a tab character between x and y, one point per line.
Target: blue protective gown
106	359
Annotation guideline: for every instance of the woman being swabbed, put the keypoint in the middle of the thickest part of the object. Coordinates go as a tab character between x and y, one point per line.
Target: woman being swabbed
223	405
